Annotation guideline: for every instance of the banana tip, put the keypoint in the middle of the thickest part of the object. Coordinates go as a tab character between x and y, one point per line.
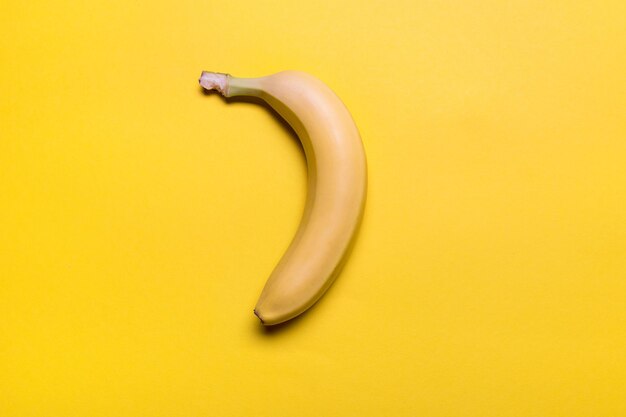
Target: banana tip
256	313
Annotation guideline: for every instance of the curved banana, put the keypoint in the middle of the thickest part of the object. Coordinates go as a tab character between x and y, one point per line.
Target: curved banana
337	182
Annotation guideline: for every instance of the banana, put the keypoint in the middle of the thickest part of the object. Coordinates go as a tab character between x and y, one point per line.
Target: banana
337	183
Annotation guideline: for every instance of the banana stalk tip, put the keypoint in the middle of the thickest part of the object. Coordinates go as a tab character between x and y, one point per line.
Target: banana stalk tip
214	81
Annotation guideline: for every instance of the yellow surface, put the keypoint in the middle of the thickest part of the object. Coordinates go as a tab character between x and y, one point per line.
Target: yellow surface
139	218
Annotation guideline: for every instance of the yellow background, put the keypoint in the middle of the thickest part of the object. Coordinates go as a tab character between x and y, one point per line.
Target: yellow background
140	218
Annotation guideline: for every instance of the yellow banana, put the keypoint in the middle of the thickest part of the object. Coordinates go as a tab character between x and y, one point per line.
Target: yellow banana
337	182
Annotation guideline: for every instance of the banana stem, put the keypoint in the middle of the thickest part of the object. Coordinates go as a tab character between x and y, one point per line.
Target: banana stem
230	86
215	81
